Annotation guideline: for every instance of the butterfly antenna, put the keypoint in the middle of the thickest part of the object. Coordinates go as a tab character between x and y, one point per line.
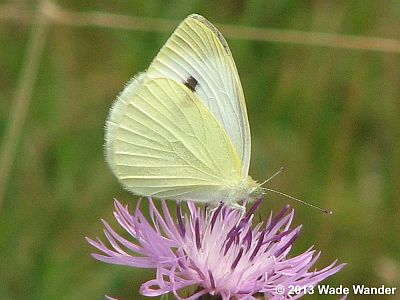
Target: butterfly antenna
329	212
273	176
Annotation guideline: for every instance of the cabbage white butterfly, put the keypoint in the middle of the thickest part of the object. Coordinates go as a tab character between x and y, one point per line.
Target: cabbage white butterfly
180	129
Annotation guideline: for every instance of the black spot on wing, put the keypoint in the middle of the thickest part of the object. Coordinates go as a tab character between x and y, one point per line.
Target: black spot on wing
191	83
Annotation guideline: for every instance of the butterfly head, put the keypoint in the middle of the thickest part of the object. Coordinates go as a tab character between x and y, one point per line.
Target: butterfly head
252	188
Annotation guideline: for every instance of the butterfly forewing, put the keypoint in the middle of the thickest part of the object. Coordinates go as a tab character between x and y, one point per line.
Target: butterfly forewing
197	56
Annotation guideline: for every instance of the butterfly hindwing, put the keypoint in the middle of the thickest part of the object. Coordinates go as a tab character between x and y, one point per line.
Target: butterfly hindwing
163	141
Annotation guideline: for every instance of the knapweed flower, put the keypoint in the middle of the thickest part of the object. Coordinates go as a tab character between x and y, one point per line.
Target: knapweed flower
217	251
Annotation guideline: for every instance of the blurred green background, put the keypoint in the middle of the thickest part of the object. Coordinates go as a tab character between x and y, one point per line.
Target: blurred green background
329	115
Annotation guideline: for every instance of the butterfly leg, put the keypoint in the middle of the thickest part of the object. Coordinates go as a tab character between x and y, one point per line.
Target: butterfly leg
237	206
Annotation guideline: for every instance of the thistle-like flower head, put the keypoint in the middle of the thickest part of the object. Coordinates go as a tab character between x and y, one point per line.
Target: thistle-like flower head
218	251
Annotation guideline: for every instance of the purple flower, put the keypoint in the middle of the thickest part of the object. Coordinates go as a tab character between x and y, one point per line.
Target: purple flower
217	251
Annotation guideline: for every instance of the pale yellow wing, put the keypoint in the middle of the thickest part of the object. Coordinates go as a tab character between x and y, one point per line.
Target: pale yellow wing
198	56
162	141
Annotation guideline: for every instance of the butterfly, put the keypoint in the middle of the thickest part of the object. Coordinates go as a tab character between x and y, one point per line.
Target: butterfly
180	129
